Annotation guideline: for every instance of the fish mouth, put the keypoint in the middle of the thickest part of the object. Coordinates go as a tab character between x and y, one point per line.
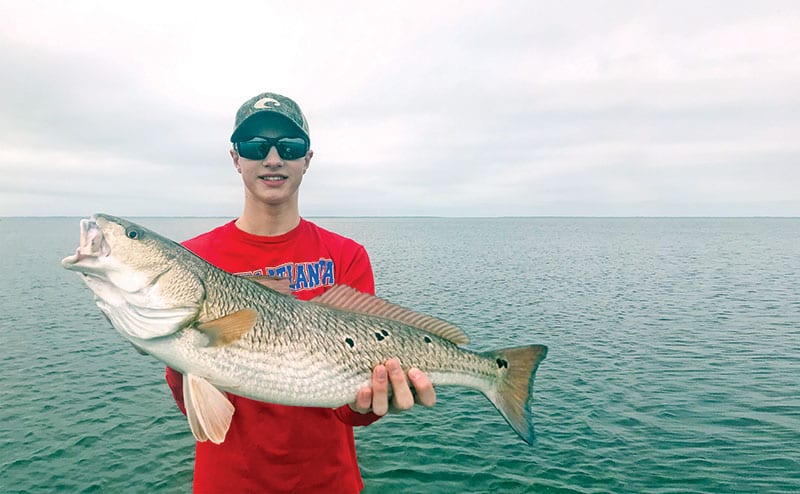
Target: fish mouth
92	245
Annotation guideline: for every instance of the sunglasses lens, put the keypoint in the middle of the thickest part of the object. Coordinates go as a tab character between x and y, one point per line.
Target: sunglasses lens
289	148
253	150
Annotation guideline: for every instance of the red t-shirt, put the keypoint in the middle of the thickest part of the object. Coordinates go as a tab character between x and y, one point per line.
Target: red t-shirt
277	448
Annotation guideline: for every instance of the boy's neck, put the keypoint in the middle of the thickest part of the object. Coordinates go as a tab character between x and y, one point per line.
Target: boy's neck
268	221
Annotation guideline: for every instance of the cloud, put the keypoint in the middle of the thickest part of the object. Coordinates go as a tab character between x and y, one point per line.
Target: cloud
434	108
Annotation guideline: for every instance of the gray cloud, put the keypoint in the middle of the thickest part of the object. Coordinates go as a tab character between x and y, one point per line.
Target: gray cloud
620	108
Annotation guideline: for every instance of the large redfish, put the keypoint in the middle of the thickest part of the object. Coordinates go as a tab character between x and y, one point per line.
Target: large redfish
226	332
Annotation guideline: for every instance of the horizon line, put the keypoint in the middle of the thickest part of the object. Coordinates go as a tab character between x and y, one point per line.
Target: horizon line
191	216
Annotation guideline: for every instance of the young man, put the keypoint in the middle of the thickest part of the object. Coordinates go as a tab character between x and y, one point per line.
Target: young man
276	448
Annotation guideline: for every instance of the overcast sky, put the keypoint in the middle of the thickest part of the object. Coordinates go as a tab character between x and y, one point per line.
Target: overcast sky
446	108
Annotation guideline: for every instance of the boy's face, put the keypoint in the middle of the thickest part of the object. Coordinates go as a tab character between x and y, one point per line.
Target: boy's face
273	181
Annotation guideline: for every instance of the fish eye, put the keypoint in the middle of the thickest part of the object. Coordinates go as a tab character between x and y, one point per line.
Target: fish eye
133	233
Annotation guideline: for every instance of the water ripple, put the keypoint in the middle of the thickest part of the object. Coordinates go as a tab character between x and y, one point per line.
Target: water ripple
672	366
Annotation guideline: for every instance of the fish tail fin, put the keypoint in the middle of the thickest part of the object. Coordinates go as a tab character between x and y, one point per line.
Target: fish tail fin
513	393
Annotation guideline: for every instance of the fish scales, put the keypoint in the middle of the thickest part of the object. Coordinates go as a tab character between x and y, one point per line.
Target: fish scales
306	345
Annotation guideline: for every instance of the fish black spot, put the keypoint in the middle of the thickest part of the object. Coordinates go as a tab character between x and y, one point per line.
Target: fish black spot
378	336
502	363
385	333
428	339
350	342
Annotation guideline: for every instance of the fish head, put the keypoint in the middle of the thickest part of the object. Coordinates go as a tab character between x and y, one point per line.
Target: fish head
147	285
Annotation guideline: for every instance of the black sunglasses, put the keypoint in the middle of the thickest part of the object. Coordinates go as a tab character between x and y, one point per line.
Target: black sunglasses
257	148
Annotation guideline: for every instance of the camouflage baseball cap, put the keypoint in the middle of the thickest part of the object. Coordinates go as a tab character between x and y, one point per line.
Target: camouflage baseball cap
274	103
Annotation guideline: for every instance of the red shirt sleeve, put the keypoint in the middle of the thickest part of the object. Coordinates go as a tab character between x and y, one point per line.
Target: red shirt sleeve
175	382
358	273
354	419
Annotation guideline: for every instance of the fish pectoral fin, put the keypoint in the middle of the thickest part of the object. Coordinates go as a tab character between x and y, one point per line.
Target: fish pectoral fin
348	298
208	409
230	328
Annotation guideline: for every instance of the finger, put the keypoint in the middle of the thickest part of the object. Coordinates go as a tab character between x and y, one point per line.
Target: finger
426	395
380	391
363	402
402	399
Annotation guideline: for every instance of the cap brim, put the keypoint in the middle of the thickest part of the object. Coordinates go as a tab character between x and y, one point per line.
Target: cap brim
242	132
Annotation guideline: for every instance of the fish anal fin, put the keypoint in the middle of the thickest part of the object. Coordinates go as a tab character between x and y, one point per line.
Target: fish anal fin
208	409
279	284
227	329
348	298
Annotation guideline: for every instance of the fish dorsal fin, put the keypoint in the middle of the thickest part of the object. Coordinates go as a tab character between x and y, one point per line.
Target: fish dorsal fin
279	284
208	409
347	298
227	329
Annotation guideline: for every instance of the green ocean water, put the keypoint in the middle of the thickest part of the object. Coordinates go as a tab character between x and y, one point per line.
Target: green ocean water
674	362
